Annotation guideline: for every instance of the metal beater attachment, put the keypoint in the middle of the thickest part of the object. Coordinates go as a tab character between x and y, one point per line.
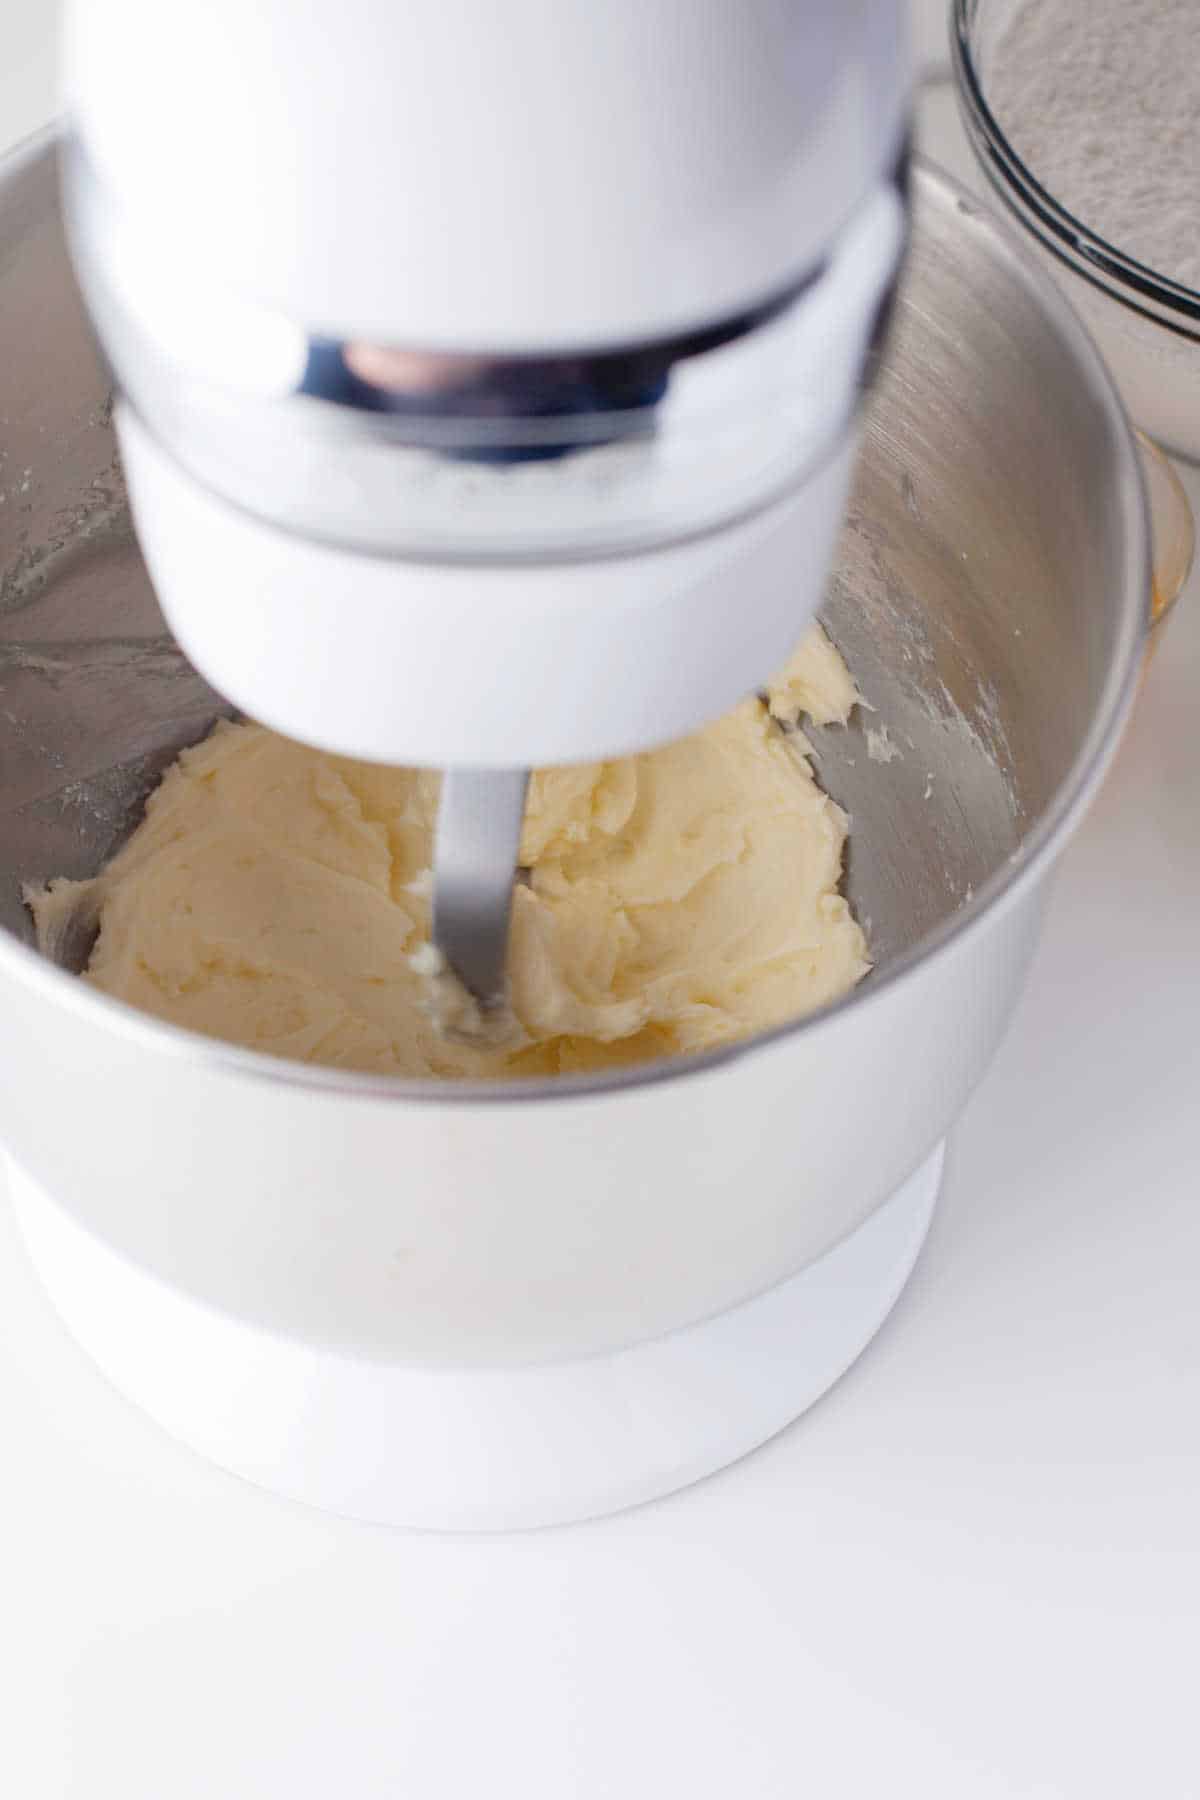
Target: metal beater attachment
474	865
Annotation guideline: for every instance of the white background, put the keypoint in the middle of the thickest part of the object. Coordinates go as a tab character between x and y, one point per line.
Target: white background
974	1570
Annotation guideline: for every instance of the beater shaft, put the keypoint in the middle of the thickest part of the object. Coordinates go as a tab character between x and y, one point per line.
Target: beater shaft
474	864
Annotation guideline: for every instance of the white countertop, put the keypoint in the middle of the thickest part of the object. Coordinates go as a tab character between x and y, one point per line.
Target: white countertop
972	1571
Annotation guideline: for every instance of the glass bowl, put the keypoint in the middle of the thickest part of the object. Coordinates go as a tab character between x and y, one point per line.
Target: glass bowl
1172	533
1147	327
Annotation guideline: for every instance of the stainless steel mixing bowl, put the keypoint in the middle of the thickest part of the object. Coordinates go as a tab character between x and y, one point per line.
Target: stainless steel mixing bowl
990	599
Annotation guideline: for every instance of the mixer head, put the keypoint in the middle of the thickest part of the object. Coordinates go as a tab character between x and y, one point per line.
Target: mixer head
502	413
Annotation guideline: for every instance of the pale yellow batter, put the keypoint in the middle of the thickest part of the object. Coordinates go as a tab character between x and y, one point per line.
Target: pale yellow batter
276	897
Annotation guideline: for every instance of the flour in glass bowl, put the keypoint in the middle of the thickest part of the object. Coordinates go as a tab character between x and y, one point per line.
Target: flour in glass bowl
1101	100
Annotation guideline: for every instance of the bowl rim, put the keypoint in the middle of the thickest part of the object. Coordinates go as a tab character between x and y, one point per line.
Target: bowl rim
1008	885
1132	284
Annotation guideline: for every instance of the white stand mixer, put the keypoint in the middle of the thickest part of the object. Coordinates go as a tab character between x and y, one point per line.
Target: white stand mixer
497	408
488	390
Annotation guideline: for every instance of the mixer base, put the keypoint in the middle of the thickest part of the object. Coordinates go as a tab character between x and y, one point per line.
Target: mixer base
477	1448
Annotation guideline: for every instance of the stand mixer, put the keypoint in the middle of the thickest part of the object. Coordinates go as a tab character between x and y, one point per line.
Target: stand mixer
487	375
483	1304
496	407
